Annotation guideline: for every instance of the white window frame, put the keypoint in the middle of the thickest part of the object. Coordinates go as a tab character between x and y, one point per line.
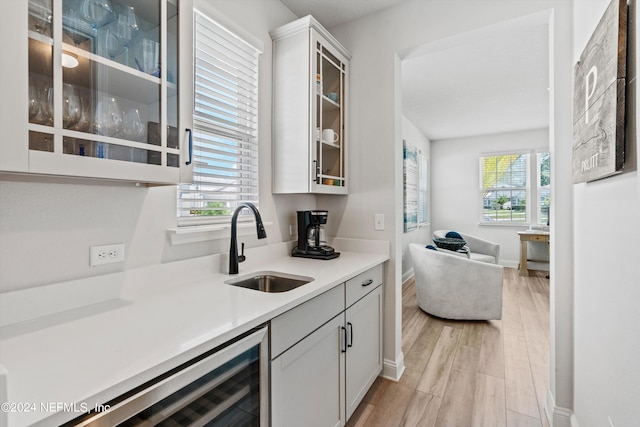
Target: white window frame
539	188
527	189
208	126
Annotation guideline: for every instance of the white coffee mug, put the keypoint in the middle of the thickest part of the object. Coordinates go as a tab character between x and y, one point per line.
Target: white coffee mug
329	135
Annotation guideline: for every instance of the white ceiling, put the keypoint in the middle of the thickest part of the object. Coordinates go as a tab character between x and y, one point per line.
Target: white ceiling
335	12
491	80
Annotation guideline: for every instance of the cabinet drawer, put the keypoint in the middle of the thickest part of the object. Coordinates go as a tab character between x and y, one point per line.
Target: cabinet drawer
362	284
292	326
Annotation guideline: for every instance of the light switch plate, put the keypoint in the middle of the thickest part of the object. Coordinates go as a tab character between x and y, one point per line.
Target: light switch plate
379	221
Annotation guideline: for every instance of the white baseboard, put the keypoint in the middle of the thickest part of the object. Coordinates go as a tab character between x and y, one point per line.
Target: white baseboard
393	369
557	415
407	275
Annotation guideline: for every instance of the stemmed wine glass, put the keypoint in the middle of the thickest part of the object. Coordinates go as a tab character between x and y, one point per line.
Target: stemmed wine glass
43	15
41	103
84	122
73	22
133	128
98	13
108	120
126	29
112	44
34	102
71	110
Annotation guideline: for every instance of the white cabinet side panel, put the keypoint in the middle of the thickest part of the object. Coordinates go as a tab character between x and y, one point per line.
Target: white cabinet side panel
291	166
14	85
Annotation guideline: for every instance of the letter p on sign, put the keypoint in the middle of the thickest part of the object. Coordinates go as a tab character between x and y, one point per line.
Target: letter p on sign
589	93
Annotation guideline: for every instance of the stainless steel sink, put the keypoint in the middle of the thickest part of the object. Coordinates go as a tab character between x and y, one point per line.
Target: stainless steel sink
270	281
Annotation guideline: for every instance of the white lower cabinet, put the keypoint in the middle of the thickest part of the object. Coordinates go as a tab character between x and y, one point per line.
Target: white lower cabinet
320	375
307	380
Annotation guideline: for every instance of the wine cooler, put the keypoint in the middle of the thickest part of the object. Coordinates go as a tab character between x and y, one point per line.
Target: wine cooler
227	386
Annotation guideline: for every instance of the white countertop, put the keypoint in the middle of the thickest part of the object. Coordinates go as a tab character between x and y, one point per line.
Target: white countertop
120	330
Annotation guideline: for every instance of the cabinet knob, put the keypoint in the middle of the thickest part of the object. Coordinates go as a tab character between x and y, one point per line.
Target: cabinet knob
368	282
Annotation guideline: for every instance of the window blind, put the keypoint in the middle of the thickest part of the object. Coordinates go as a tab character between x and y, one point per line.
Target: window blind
504	185
225	132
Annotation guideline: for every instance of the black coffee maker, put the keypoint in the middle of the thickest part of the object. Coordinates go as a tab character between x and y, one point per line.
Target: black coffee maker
311	240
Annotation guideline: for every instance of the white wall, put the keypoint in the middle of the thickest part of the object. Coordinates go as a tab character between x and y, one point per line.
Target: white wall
607	318
48	225
422	234
455	195
377	43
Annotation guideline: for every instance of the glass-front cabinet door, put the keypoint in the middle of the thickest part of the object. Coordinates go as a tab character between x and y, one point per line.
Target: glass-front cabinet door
100	90
310	110
329	116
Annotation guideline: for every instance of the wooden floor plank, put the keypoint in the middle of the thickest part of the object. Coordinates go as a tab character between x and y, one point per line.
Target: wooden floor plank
489	402
469	373
420	353
390	408
360	416
472	334
492	350
422	410
520	391
515	419
435	377
457	402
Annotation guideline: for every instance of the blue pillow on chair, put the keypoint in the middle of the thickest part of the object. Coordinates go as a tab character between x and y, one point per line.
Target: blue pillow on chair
453	235
433	248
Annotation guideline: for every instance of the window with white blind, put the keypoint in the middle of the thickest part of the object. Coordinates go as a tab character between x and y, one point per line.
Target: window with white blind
225	130
504	183
516	188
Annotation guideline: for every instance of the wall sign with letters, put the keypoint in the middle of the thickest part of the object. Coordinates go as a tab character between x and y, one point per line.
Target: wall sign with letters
599	99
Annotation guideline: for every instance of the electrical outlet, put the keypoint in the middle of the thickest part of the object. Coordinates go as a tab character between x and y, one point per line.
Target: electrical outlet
292	230
106	254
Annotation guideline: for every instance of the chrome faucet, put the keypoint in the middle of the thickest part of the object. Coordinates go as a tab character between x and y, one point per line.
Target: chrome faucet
234	259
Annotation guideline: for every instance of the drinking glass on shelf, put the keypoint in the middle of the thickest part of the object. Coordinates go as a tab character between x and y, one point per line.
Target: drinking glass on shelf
73	23
133	128
147	56
126	28
41	10
84	122
112	46
44	115
108	117
34	102
71	106
98	13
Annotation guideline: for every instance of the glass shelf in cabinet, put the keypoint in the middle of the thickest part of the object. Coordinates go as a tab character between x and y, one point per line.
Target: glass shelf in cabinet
331	144
116	80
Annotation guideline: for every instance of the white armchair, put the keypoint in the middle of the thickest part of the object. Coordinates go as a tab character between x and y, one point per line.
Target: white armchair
480	249
454	287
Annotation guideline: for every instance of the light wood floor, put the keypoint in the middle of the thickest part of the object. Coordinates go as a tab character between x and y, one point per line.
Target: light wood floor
469	373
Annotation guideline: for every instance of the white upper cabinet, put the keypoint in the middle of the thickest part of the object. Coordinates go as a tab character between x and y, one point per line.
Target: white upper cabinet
97	89
311	82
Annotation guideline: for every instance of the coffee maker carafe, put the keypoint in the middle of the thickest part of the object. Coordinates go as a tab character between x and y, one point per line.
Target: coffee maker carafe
311	238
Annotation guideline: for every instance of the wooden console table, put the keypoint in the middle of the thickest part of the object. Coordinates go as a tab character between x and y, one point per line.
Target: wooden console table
530	236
